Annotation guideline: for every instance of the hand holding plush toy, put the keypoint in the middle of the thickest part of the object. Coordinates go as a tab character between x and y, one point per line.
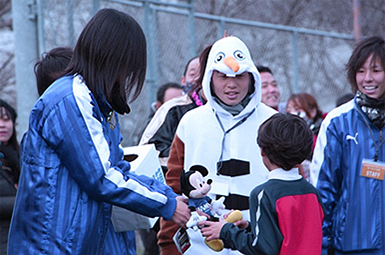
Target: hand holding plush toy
195	187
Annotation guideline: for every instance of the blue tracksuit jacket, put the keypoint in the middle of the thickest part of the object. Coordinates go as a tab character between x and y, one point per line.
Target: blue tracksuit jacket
355	205
72	171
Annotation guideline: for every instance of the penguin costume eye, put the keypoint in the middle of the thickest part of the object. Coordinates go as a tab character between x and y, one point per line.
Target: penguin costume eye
220	56
239	55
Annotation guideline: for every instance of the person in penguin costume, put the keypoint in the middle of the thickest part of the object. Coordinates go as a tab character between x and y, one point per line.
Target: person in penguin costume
221	135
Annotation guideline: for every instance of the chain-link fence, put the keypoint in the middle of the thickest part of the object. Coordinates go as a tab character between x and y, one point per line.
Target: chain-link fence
302	60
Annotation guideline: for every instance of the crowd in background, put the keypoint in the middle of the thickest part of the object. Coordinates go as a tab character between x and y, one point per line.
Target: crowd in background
69	167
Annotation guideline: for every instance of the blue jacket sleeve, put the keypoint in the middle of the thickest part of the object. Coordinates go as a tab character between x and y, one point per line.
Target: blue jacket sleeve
78	135
329	181
265	236
247	242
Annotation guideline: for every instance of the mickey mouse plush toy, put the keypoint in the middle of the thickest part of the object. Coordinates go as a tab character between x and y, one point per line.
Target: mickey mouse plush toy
194	186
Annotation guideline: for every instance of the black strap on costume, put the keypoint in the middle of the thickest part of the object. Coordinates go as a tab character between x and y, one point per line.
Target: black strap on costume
234	201
226	132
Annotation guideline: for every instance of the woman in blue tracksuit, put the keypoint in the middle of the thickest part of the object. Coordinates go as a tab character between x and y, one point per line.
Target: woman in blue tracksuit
349	158
72	166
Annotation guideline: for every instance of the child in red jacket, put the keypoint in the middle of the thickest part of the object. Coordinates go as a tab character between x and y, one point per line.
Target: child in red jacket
286	212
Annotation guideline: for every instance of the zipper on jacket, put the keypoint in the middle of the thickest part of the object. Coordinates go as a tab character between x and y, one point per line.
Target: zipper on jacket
378	148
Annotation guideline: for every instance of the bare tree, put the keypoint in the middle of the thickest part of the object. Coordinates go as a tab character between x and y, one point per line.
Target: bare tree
320	60
7	67
5	10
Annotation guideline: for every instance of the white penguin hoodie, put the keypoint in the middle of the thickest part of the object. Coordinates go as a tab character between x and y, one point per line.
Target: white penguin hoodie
201	136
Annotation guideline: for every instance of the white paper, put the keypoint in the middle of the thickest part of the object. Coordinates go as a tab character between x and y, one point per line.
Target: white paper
146	162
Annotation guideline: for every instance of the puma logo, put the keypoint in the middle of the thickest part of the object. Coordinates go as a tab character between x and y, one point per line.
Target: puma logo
349	137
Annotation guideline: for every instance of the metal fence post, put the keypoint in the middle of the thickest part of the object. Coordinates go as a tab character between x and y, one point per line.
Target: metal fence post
221	28
192	34
95	6
70	20
150	31
24	13
295	62
40	26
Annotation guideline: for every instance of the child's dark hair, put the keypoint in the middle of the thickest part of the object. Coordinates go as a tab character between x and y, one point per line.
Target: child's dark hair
285	139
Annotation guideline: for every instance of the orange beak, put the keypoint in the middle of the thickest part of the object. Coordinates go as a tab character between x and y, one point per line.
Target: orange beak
232	63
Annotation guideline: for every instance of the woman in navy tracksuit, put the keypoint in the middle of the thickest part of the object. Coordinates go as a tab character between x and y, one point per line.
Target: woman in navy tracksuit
72	167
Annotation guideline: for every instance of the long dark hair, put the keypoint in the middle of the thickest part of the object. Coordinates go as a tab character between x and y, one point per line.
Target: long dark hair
110	55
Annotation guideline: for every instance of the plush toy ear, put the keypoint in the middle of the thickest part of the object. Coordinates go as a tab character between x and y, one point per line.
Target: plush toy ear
185	185
203	170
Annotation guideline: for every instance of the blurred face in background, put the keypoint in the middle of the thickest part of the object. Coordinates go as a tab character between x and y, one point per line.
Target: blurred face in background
171	93
192	72
371	78
270	92
6	126
295	108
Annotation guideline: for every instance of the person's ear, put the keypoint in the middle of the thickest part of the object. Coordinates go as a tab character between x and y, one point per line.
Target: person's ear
158	104
183	80
262	153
